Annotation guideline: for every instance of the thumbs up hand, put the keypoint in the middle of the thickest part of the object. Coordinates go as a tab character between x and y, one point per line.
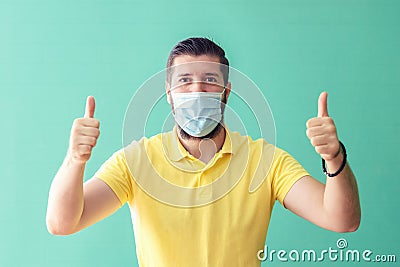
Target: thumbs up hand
321	131
84	134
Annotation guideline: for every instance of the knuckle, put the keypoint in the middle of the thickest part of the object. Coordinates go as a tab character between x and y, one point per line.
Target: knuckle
320	149
88	149
329	121
330	127
93	141
76	125
96	123
309	122
308	133
333	140
79	121
313	142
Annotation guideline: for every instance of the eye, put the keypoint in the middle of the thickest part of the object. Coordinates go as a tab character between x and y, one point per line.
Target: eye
211	80
184	80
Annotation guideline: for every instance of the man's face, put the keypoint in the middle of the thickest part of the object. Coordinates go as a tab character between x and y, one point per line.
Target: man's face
190	74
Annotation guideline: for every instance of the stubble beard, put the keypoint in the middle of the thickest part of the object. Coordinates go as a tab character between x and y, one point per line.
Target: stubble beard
185	136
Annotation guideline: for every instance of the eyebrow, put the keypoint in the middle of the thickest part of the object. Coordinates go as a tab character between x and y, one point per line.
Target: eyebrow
184	74
206	74
212	74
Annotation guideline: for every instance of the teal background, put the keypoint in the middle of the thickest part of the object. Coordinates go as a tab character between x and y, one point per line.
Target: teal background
55	53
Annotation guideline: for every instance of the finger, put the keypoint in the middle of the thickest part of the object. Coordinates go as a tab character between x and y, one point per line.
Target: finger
90	106
87	140
90	131
323	105
320	140
87	122
315	131
315	122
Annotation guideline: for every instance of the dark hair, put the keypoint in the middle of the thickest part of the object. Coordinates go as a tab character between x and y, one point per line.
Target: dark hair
197	46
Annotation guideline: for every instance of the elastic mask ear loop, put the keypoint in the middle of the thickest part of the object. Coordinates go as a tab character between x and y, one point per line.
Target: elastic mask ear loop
224	100
168	97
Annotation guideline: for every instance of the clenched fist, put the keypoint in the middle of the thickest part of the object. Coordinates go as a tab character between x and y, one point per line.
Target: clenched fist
84	134
321	131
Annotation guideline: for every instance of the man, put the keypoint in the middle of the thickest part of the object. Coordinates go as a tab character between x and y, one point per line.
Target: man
201	229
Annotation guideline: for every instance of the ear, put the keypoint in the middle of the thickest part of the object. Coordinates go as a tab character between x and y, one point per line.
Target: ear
227	90
168	91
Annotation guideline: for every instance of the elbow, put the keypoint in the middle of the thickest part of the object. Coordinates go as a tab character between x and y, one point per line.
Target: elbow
355	222
348	227
353	227
58	228
346	222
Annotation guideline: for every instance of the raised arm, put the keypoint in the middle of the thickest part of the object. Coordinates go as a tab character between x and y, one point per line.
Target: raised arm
335	205
73	205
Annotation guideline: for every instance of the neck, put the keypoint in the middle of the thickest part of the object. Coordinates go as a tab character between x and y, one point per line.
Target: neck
203	149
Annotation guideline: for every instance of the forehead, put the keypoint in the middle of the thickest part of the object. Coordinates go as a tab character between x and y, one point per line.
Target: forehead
188	58
196	64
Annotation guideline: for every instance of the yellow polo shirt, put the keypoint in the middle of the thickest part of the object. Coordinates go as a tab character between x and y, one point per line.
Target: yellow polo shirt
188	213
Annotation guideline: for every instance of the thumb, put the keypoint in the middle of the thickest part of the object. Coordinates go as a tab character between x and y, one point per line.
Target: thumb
90	106
323	105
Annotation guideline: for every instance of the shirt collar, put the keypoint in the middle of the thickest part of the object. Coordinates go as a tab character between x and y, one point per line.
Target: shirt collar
176	152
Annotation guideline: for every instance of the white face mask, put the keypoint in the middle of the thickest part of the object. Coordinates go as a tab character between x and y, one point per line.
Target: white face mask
197	113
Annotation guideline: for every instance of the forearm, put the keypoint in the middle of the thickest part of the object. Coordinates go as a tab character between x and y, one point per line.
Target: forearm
341	200
66	201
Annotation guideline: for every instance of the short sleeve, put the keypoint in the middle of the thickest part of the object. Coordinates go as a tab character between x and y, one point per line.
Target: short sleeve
286	171
115	173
